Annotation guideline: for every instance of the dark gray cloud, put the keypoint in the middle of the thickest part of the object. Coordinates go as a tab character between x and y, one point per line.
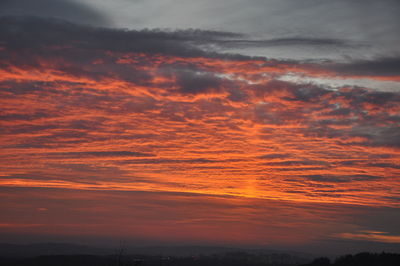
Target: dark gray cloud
41	33
388	136
190	82
174	161
297	163
341	178
22	32
104	154
387	66
385	165
293	41
25	117
64	9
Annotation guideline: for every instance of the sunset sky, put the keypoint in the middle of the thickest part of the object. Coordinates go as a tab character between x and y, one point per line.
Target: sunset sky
250	123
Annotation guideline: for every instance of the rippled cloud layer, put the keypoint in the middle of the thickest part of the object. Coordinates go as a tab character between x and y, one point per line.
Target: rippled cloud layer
89	109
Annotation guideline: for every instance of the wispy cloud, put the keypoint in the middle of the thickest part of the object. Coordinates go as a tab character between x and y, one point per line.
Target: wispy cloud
371	236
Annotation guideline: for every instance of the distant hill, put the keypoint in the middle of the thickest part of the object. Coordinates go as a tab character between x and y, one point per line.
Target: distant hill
42	249
204	250
182	254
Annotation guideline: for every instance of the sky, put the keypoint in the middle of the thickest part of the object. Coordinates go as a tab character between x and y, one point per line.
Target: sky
271	124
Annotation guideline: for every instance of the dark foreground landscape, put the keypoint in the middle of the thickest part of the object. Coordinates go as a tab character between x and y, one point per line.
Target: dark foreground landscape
234	259
71	255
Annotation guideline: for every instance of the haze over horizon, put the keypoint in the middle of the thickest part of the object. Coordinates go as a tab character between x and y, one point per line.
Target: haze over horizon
267	124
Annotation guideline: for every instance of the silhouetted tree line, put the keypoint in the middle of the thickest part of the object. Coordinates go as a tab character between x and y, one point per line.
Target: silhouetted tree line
360	259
